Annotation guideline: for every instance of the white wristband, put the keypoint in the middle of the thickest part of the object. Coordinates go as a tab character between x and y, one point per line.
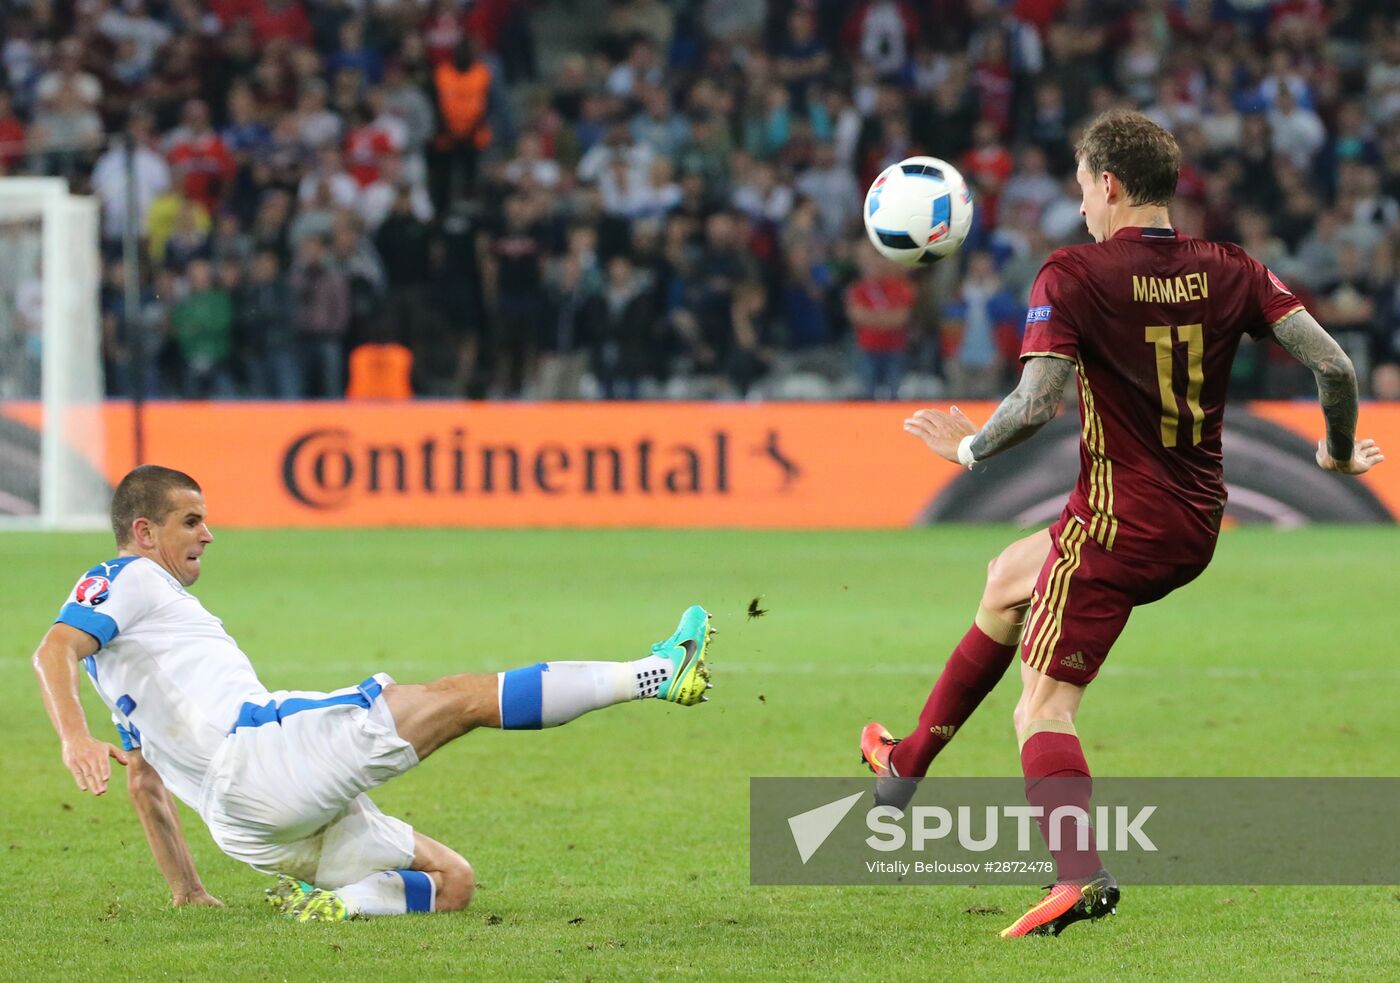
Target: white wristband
965	457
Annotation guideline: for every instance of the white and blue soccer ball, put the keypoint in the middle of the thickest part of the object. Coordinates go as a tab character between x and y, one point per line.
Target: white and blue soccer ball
918	211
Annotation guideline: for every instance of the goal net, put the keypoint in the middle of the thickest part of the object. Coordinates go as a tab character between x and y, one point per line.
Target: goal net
52	441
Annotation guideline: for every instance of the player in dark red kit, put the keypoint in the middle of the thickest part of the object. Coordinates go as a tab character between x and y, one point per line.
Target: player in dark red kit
1148	320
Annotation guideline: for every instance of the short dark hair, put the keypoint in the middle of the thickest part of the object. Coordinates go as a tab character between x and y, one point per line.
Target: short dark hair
1135	150
145	494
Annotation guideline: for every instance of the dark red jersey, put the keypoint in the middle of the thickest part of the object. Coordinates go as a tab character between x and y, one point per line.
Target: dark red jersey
1152	319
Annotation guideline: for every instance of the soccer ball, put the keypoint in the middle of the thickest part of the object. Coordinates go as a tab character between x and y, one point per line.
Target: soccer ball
918	211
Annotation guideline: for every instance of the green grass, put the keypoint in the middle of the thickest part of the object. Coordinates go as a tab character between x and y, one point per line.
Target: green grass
1279	661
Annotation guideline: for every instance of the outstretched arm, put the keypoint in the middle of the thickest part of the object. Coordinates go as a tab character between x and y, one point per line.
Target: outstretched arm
89	760
1033	404
160	819
56	664
1302	337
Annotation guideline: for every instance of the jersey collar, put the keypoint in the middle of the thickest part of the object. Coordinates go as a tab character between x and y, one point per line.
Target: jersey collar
1147	234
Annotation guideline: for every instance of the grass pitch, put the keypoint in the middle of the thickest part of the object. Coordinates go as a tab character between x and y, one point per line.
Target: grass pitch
616	847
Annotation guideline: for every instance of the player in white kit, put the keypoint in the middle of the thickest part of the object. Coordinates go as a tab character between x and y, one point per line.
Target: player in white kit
280	777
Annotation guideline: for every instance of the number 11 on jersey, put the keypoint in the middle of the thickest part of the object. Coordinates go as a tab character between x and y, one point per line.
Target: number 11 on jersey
1164	338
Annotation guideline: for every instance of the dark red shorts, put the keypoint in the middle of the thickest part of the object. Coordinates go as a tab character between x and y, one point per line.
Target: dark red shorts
1082	600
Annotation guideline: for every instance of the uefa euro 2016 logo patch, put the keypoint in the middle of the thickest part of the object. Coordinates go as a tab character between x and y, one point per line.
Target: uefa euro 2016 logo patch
93	591
1038	314
1276	281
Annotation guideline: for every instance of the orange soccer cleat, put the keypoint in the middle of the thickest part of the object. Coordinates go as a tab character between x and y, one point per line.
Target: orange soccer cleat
1067	903
876	746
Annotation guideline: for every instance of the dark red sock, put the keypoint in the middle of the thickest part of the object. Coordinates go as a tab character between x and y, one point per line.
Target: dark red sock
1057	775
971	673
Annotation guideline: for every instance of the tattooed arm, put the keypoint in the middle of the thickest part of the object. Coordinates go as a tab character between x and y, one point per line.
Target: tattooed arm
1303	338
1033	404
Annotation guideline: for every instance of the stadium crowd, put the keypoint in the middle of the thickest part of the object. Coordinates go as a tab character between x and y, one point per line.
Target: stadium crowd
648	198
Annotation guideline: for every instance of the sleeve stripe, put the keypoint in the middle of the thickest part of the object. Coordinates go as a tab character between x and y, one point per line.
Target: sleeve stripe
1276	321
130	737
95	623
1026	355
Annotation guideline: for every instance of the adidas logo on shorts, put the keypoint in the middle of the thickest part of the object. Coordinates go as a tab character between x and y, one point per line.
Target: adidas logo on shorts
1075	660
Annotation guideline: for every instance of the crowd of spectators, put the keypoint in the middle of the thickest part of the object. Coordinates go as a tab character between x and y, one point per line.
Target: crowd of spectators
661	198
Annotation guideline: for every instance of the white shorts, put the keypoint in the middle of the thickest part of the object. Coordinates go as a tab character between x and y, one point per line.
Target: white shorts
288	795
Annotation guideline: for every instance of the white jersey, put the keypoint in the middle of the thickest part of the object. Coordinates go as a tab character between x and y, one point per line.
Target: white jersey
175	681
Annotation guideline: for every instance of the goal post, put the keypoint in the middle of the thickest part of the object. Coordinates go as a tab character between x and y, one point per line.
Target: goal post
52	434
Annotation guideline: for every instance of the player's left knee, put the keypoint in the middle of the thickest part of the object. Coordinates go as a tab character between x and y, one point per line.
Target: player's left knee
1019	718
458	885
996	585
1005	595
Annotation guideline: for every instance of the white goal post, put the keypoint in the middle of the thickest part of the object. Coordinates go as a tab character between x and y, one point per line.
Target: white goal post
52	433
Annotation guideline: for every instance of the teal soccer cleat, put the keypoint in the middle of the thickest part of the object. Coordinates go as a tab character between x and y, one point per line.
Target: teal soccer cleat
690	677
288	892
318	906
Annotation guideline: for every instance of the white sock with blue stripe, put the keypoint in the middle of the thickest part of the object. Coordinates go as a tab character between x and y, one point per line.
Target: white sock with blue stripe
548	694
389	892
